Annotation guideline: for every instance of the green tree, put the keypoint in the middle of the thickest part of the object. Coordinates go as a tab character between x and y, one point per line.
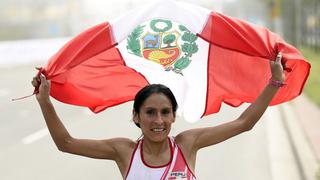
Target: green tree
168	39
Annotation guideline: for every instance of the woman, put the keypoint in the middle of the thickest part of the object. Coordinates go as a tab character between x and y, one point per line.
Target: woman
156	156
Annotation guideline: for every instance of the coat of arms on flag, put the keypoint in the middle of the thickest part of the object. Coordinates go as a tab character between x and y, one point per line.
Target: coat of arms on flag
164	42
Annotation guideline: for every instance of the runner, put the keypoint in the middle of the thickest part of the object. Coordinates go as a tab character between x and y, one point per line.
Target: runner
156	155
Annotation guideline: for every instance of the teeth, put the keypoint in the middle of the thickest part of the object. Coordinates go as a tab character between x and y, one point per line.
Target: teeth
158	129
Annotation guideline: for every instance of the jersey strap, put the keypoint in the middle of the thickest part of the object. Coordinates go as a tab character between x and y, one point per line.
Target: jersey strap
178	169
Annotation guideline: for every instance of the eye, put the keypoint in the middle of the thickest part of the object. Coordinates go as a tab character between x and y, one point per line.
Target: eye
165	111
150	112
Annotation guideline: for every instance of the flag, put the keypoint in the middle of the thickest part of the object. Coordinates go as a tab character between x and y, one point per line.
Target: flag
204	57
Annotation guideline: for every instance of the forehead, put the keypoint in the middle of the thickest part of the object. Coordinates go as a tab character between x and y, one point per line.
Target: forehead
157	100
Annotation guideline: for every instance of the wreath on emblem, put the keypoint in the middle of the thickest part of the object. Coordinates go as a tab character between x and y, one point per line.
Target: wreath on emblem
133	40
156	29
189	46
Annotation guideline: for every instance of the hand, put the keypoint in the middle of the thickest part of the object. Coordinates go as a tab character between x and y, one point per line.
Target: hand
44	87
277	69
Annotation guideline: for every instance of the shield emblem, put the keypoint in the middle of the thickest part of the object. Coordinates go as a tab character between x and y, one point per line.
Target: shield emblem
161	48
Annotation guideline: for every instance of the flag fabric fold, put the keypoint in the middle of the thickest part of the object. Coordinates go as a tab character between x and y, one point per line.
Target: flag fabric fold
204	57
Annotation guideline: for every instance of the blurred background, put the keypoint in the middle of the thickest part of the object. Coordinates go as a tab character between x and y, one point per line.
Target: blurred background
285	145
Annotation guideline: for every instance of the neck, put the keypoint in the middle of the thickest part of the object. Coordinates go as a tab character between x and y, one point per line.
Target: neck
155	148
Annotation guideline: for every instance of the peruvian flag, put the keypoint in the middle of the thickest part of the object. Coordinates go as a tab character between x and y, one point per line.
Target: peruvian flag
204	57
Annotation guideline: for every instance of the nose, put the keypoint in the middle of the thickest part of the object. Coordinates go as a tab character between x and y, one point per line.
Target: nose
159	119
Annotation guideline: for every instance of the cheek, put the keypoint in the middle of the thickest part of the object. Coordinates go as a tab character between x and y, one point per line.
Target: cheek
171	118
144	119
145	122
169	121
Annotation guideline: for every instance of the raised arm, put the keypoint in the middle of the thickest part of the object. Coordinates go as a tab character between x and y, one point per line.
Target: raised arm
102	149
203	137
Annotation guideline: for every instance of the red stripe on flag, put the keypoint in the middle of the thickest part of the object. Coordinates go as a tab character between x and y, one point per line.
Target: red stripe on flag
89	71
84	46
238	63
233	78
100	82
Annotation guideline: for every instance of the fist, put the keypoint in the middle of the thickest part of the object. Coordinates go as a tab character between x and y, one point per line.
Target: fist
277	69
43	85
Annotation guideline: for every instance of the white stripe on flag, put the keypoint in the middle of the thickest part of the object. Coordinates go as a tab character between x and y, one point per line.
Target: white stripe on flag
189	89
193	16
185	21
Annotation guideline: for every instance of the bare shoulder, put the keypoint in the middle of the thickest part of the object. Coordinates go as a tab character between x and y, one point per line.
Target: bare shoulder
190	139
123	145
183	138
123	141
186	139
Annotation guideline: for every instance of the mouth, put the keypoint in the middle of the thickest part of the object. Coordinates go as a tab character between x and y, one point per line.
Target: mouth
158	130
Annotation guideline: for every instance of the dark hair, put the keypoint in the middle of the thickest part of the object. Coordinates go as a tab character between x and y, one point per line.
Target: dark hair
147	91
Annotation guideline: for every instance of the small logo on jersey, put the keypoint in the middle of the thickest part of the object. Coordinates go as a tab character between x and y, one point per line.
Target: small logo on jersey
178	174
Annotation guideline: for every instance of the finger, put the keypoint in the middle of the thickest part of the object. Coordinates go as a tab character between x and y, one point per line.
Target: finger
271	62
42	78
279	57
37	79
40	71
34	83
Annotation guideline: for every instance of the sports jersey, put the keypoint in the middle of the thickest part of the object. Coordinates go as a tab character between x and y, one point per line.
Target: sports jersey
177	168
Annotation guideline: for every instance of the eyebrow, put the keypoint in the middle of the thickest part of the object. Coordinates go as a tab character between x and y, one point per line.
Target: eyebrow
156	108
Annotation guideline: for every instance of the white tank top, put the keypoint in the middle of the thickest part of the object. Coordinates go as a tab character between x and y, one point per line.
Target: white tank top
177	167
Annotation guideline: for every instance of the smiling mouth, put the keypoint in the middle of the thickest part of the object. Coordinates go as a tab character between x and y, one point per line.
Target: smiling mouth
158	129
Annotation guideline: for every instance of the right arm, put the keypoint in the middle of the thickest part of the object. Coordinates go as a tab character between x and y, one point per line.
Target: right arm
102	149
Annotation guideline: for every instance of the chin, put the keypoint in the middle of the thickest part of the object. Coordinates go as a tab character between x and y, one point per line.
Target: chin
158	137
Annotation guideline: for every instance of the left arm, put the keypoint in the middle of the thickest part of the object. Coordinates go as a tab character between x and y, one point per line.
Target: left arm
196	139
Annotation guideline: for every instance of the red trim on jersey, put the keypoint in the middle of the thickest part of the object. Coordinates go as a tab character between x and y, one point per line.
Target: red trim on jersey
161	166
132	156
184	159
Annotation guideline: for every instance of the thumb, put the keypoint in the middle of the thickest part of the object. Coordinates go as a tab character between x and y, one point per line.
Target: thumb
43	79
279	57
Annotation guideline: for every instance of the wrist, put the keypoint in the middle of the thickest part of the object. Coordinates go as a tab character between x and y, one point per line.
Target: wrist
43	101
276	83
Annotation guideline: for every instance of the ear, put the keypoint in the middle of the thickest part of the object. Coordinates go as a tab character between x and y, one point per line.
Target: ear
174	116
135	116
